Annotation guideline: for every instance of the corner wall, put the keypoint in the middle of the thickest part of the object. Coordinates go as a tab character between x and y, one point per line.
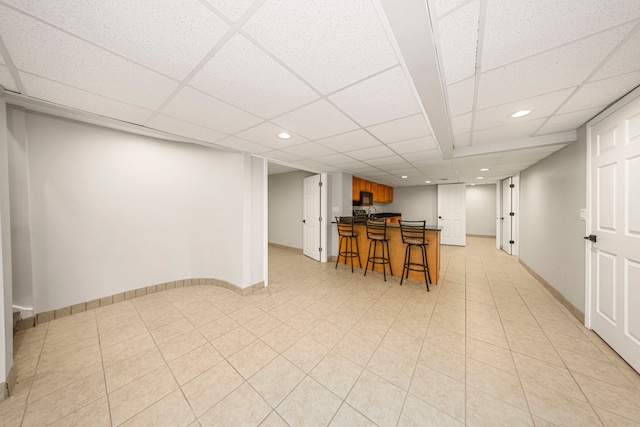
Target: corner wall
552	192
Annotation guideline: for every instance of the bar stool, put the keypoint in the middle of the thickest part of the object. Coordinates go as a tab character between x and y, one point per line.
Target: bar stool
346	231
413	235
377	234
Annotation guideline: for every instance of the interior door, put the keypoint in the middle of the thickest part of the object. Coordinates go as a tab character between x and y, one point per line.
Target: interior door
614	255
452	214
505	216
311	218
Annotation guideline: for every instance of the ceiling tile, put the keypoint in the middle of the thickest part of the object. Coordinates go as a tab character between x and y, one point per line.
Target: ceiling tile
40	88
309	149
625	60
281	155
378	99
240	144
444	6
200	109
6	80
540	106
458	40
413	145
350	141
517	29
505	133
231	9
355	166
422	155
317	120
462	140
557	69
245	76
331	44
398	130
267	134
336	159
180	127
40	49
461	123
394	160
371	153
460	96
570	121
309	164
168	36
601	93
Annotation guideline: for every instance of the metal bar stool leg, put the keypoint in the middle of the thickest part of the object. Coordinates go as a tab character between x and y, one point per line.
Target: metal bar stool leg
358	251
425	266
339	250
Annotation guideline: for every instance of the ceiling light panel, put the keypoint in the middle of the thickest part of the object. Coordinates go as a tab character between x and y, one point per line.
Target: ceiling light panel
541	106
318	38
168	36
557	69
378	99
240	144
200	109
243	75
625	60
460	96
401	129
267	134
458	39
514	30
40	88
413	145
309	150
6	80
505	133
601	93
317	120
36	48
231	9
180	127
350	141
562	122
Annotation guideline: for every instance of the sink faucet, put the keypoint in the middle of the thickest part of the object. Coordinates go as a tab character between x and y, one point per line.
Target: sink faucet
372	209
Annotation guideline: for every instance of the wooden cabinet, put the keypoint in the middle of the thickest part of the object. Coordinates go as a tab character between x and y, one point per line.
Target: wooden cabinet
381	193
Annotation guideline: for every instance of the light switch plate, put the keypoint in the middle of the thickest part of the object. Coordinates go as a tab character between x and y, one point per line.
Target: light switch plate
583	214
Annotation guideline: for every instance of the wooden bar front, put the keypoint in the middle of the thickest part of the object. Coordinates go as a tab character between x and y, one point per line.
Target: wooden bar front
397	250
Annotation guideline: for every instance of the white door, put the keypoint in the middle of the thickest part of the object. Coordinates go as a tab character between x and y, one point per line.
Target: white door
452	214
311	218
506	215
614	219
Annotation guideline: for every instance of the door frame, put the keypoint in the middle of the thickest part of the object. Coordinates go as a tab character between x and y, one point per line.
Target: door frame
588	278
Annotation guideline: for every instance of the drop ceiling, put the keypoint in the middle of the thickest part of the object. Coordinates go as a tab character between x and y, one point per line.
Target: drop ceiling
377	88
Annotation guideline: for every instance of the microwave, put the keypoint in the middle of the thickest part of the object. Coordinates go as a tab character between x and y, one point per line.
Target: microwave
366	199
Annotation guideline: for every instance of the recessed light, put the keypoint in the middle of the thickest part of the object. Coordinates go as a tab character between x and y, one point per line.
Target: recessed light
471	184
520	113
484	169
480	177
404	177
427	182
284	135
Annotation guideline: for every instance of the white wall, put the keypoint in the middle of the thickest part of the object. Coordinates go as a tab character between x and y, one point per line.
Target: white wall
481	209
552	192
112	211
415	203
286	196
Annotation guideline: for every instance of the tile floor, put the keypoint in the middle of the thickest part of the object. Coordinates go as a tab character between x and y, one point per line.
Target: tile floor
320	346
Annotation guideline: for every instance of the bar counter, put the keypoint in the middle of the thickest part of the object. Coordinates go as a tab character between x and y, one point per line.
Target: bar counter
397	250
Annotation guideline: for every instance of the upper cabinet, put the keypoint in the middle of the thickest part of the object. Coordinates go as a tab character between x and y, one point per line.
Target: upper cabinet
381	193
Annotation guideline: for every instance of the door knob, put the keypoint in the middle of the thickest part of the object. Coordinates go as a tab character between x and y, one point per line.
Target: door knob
304	220
439	217
591	237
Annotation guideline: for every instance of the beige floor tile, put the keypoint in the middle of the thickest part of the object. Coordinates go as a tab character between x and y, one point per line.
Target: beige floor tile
417	413
377	399
309	404
276	380
490	354
285	311
252	358
439	390
211	386
306	353
136	396
487	334
171	410
233	341
403	344
282	337
243	407
544	374
447	339
623	401
609	419
218	327
349	417
486	410
442	360
246	314
274	420
122	333
415	328
65	401
202	317
539	422
171	330
94	414
327	334
192	364
126	349
321	308
181	345
497	383
11	413
337	373
558	408
160	317
303	321
595	368
262	324
393	367
540	350
371	330
133	368
580	345
356	348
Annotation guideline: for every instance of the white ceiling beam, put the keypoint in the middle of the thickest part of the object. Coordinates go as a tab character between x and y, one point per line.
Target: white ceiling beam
518	144
409	22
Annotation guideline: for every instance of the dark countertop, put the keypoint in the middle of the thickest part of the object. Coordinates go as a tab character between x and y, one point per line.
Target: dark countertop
396	225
